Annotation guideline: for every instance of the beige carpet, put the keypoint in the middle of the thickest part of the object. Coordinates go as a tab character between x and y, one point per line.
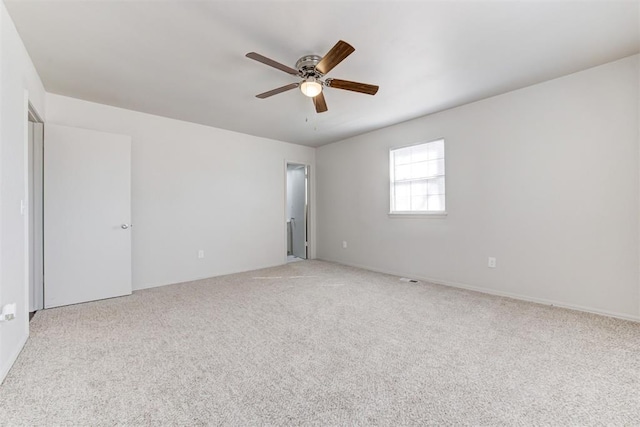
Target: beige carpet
315	343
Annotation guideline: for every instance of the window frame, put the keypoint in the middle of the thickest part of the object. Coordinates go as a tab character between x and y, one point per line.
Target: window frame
414	214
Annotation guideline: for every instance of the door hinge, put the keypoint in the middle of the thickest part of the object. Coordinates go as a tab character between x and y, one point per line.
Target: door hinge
306	244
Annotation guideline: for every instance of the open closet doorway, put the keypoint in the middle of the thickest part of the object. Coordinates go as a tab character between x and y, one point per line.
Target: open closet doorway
297	211
35	222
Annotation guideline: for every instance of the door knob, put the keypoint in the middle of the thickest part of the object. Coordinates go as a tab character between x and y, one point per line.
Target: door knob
125	226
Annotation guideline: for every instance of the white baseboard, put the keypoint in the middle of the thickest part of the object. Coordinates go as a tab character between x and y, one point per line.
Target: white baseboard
196	278
7	366
521	297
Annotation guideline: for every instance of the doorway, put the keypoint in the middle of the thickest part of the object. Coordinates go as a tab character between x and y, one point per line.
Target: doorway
297	212
35	221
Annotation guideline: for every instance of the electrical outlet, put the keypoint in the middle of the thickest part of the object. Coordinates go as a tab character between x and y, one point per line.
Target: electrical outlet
344	244
201	254
492	262
8	312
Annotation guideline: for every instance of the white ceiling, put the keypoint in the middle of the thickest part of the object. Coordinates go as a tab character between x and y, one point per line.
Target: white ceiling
185	59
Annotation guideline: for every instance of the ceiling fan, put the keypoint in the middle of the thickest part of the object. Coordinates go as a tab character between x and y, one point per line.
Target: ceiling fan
312	68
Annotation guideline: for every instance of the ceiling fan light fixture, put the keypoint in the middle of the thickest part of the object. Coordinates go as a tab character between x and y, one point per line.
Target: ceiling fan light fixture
311	87
312	69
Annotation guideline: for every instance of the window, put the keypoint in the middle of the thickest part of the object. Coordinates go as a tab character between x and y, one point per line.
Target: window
417	178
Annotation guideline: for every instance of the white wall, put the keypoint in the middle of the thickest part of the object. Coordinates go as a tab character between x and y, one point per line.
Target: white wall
195	187
544	178
18	80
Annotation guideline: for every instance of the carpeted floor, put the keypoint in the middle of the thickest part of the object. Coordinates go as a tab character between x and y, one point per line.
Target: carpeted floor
315	343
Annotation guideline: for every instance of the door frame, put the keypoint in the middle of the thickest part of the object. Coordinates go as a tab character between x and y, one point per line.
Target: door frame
307	209
34	265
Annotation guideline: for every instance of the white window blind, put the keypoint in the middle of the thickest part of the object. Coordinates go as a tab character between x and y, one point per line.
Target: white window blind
417	178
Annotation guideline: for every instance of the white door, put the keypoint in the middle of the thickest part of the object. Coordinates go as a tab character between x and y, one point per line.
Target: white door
87	215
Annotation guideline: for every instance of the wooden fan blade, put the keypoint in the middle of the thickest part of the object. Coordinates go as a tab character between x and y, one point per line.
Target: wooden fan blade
278	90
353	86
271	63
320	103
335	56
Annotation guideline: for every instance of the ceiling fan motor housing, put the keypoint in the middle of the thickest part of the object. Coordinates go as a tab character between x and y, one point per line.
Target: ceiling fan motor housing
307	66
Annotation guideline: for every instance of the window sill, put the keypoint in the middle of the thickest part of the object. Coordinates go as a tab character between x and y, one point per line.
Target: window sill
434	215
